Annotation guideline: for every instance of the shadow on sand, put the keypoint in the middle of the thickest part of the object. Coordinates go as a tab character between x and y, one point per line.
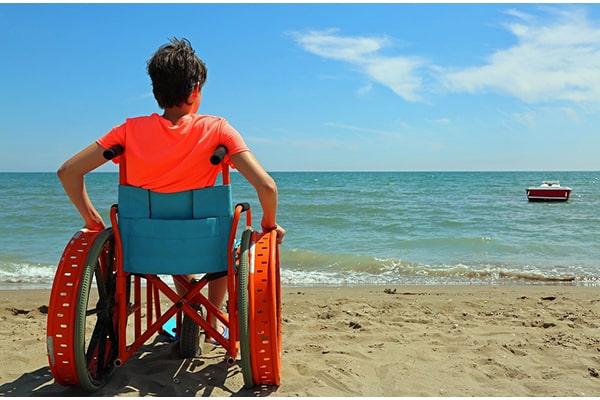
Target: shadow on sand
154	370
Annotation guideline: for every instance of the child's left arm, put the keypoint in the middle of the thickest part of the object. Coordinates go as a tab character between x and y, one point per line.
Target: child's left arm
71	176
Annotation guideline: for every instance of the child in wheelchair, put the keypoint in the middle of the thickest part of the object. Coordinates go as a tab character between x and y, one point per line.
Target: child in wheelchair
170	153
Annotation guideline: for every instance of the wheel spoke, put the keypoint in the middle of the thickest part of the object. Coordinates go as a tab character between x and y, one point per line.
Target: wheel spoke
96	335
101	284
101	355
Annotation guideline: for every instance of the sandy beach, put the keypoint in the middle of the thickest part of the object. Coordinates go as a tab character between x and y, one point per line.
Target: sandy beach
366	341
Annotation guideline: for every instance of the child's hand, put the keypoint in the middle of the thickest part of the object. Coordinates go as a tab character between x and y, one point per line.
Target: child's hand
280	234
95	223
278	229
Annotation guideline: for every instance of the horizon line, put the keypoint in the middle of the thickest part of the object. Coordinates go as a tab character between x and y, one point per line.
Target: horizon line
348	171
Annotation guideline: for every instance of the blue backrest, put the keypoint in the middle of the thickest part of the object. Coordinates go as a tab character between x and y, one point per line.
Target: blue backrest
175	233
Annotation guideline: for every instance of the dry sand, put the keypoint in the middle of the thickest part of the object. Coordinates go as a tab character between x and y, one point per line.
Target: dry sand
418	340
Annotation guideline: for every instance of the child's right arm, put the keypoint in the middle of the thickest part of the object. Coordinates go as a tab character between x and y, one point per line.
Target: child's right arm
71	175
265	186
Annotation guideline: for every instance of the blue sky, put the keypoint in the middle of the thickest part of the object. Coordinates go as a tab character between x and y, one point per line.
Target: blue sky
318	87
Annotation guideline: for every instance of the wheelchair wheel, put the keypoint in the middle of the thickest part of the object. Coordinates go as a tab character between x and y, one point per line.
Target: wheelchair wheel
190	339
265	310
243	310
259	309
95	330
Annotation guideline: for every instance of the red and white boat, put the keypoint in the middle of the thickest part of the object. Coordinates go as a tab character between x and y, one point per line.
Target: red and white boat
549	191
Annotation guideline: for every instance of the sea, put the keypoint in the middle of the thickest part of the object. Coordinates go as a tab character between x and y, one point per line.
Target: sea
358	228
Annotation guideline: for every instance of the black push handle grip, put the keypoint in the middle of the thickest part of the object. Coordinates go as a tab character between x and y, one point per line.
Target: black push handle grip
245	206
218	155
114	151
215	159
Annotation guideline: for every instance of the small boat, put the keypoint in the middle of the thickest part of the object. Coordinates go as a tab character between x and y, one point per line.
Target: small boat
549	191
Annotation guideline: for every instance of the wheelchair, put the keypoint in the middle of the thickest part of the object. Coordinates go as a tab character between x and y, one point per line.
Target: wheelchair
105	277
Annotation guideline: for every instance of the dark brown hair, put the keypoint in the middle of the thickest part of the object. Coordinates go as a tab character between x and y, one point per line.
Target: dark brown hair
175	70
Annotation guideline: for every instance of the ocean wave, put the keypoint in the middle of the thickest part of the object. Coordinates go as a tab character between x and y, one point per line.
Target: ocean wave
13	272
306	268
324	268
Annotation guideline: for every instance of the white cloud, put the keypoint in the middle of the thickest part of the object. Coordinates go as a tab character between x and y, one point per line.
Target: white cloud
399	73
344	48
519	14
556	60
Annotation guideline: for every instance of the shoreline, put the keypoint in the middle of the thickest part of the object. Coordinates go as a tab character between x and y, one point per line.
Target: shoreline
14	286
414	340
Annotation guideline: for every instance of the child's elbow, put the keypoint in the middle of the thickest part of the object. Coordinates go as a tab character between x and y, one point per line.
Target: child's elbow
63	171
268	186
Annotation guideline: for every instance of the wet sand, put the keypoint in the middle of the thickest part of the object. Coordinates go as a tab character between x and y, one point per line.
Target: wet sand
366	341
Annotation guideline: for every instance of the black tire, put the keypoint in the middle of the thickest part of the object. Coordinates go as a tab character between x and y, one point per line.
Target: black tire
94	358
243	317
190	339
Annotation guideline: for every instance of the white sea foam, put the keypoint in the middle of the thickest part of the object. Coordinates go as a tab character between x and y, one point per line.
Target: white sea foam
27	273
344	270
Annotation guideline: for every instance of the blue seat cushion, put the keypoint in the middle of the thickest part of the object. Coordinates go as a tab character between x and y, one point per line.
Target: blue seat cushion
175	233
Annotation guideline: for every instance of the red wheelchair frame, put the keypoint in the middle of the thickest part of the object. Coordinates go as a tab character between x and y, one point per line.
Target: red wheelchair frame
98	254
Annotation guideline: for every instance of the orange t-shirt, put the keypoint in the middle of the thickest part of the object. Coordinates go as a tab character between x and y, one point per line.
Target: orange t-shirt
171	158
